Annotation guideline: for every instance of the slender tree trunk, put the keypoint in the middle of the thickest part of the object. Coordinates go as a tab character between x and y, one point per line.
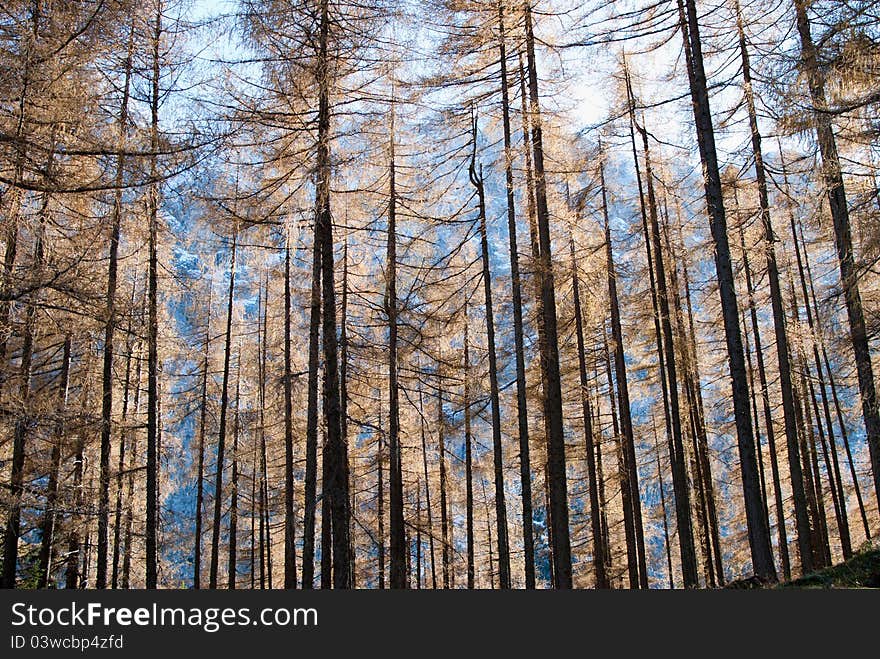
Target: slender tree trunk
129	493
630	486
833	467
468	457
232	562
224	412
123	447
666	544
595	510
427	490
50	516
635	572
552	383
695	406
289	512
395	471
152	557
263	496
500	505
200	470
380	506
836	192
110	329
781	335
311	475
441	455
337	486
841	424
519	350
679	465
759	534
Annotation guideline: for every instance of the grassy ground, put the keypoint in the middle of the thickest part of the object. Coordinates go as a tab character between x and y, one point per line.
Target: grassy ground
861	571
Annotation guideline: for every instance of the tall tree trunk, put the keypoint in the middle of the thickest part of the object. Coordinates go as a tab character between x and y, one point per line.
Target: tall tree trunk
836	192
841	424
427	489
679	465
311	475
133	459
441	456
395	471
50	516
224	412
758	533
200	469
263	496
500	505
695	404
289	512
832	465
780	334
469	458
337	486
666	544
232	563
152	521
522	412
634	572
380	506
110	327
595	510
550	346
632	501
123	446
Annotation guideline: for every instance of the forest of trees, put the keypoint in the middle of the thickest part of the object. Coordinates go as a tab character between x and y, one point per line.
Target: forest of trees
439	294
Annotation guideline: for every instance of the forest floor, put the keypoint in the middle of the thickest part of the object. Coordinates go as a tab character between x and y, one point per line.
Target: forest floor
860	571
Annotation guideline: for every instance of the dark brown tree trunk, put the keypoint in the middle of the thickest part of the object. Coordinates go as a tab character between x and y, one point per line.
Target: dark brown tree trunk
595	510
152	521
441	456
395	470
519	350
655	307
224	412
337	484
781	335
695	408
836	192
468	458
200	469
50	516
832	465
632	502
841	424
263	495
311	474
232	562
759	534
427	490
666	545
110	329
476	177
678	461
289	488
380	506
133	459
550	346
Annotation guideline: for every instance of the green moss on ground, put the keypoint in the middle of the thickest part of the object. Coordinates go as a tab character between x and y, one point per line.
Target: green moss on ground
861	571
